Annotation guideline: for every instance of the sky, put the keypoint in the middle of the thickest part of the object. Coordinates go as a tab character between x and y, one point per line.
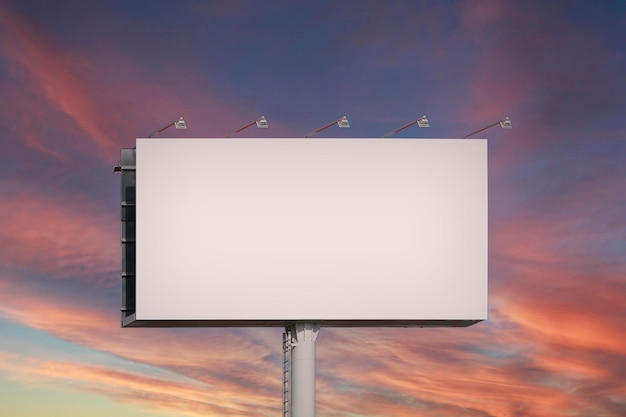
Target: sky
80	80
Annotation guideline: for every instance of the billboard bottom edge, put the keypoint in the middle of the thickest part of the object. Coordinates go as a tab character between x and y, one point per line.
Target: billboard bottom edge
131	321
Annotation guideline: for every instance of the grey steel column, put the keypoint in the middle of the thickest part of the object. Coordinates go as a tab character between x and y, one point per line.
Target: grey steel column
304	336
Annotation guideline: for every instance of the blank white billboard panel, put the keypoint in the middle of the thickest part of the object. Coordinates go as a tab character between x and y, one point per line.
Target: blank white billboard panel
345	232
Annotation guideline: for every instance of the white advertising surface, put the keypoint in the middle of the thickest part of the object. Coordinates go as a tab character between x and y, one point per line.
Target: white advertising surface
345	232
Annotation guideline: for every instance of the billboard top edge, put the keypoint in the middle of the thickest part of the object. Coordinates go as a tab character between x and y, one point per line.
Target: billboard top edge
313	139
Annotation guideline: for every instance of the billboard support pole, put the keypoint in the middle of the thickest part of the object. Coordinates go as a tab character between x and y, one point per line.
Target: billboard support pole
302	375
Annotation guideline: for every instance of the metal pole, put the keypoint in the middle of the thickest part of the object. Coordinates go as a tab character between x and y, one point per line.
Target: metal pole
304	336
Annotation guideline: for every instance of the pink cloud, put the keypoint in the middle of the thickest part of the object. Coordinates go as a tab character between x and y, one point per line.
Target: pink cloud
569	226
398	372
63	235
492	91
528	66
53	70
86	103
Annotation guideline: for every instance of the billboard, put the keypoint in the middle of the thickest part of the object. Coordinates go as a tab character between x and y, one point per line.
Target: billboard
344	232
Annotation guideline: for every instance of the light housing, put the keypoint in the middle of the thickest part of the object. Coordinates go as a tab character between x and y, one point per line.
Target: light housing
261	123
343	122
506	123
180	123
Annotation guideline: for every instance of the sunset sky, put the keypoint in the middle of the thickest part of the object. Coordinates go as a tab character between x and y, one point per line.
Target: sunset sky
80	80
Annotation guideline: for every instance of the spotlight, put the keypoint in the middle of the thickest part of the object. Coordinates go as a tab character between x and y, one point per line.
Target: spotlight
504	124
260	122
342	122
178	124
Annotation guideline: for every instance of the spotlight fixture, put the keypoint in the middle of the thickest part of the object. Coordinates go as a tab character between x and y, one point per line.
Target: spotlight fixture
260	122
421	122
342	122
178	124
504	124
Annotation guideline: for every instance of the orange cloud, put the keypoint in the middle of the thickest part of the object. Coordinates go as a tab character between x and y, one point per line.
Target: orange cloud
582	316
433	370
161	392
216	370
478	371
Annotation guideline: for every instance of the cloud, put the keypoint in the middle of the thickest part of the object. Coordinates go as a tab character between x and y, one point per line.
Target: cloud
208	370
66	101
568	213
65	235
513	361
54	71
544	68
477	371
553	345
165	392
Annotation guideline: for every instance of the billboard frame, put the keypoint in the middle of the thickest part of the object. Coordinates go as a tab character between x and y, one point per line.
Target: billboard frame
130	318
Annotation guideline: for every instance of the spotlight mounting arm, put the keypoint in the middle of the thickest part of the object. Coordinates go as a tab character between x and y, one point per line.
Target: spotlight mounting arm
421	122
342	122
178	124
260	122
504	124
